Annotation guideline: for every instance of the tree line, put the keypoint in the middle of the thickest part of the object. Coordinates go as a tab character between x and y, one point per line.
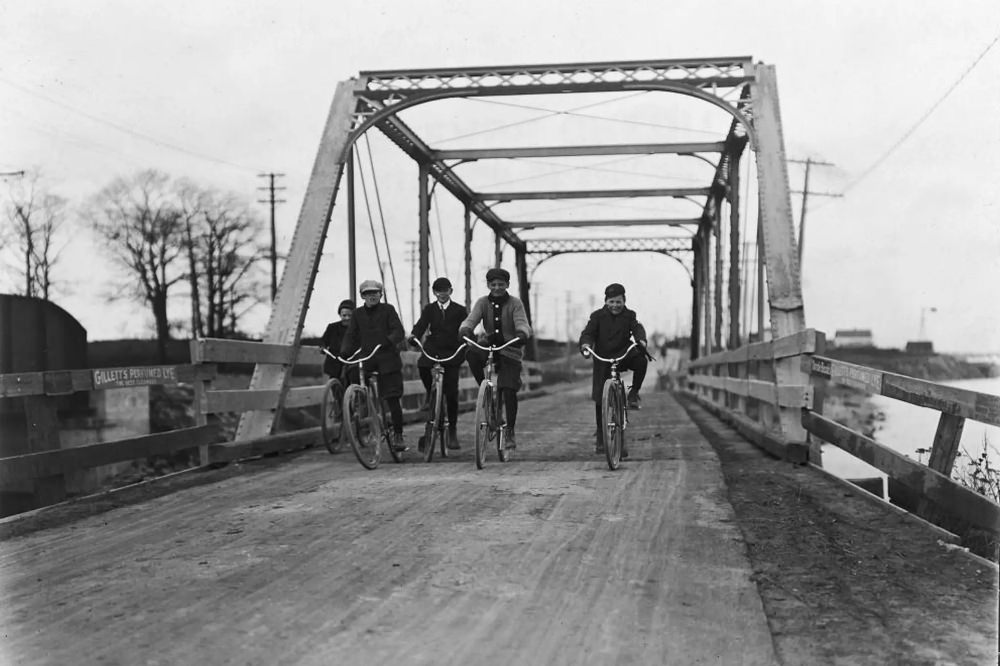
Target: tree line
166	237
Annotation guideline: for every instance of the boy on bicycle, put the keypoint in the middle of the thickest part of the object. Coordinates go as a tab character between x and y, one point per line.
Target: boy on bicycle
609	332
440	321
333	336
503	317
376	323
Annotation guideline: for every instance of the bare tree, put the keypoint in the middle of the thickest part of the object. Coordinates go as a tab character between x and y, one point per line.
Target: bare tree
142	228
221	241
36	216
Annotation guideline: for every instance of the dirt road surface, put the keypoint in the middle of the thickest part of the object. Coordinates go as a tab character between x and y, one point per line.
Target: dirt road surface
310	559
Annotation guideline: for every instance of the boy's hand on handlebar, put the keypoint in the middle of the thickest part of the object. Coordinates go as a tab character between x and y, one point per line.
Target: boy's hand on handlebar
413	341
585	351
465	333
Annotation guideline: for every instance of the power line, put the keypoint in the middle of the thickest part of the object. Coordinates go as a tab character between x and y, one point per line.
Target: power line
124	129
906	135
274	239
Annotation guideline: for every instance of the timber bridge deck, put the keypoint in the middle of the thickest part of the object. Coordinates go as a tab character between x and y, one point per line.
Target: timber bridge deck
549	559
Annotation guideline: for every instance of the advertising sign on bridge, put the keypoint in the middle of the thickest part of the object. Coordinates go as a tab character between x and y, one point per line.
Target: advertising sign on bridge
105	378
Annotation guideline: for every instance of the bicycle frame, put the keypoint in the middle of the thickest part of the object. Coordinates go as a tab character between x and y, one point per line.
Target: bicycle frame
434	431
363	407
489	408
614	408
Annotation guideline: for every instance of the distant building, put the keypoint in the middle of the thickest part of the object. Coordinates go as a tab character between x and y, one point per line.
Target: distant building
920	347
853	337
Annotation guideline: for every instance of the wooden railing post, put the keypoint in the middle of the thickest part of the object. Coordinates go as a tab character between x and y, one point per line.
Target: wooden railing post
946	439
42	422
201	386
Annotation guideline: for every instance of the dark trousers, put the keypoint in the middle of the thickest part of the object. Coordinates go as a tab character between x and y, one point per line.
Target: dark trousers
507	377
450	385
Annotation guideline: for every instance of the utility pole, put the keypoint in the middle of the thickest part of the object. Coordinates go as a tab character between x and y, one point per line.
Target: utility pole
270	187
809	162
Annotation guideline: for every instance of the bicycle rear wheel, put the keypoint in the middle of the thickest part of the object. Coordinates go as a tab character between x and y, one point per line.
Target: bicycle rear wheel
503	453
363	425
432	431
613	422
484	414
387	432
331	413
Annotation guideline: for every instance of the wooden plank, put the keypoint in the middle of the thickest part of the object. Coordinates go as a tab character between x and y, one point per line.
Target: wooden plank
946	439
948	495
239	400
304	396
47	463
259	446
240	351
808	341
847	374
19	384
981	407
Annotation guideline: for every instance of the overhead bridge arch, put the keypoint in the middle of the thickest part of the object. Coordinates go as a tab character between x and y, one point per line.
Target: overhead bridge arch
745	90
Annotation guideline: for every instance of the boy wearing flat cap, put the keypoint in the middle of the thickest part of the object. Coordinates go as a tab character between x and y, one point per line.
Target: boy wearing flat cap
376	323
503	317
440	321
333	336
609	332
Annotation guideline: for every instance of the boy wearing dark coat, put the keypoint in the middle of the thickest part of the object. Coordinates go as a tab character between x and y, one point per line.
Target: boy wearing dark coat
609	332
503	317
333	336
376	323
440	320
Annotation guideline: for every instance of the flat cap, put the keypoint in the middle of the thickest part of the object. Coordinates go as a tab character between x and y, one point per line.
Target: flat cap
370	285
498	274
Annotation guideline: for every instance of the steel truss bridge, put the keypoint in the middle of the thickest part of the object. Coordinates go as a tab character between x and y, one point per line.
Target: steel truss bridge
746	91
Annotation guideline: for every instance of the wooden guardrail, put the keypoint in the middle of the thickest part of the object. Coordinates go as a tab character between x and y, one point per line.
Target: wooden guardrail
209	400
931	482
740	386
45	463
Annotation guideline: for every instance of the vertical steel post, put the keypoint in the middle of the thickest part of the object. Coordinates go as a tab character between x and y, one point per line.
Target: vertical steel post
717	231
352	250
468	258
288	310
781	259
424	233
696	286
734	250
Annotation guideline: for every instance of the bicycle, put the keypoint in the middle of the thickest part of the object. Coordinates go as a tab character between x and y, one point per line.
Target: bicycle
366	418
489	409
614	409
332	411
434	431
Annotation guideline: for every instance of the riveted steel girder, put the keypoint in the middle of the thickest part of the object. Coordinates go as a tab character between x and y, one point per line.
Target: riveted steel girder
554	245
651	222
576	77
578	151
594	194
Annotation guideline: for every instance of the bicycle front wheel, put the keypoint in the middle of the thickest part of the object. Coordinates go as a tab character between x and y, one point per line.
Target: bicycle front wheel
363	425
432	432
613	422
484	414
331	413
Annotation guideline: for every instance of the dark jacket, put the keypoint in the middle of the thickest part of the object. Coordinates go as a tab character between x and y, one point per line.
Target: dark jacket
332	337
442	331
610	335
370	327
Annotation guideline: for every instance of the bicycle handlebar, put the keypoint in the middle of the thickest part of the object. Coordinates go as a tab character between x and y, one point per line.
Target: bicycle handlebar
590	350
357	361
437	360
491	347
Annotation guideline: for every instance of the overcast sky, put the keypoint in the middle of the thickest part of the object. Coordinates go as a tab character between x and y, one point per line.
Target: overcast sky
900	96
